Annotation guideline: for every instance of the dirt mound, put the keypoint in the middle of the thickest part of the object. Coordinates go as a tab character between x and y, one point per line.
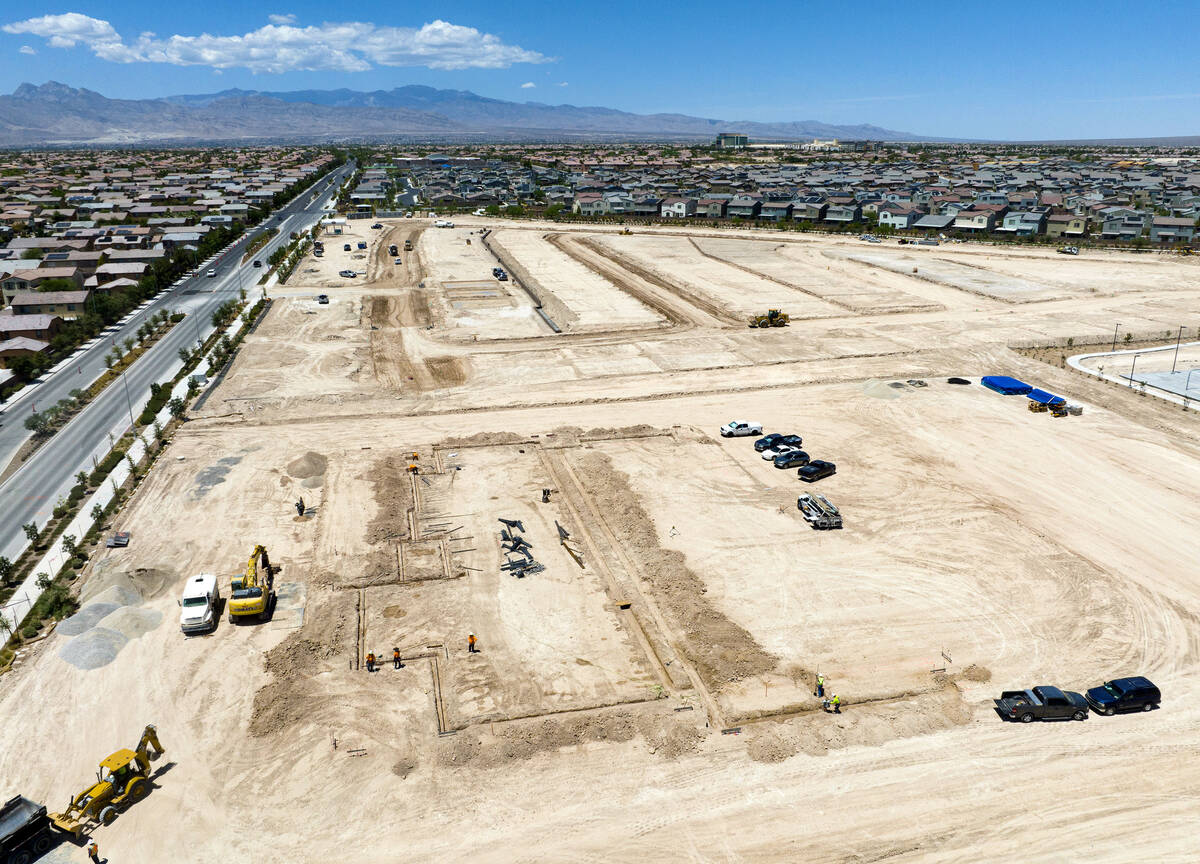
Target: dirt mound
877	389
722	651
291	695
771	745
131	621
404	766
110	582
979	674
97	647
86	618
639	431
307	466
486	439
393	500
447	371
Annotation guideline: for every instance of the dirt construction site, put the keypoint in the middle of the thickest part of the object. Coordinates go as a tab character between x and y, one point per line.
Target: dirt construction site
536	462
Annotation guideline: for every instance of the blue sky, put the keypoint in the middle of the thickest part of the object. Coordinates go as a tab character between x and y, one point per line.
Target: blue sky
1099	69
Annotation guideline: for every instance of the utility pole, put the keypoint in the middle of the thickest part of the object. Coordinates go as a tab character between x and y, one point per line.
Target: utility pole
1115	329
1131	368
128	401
1176	360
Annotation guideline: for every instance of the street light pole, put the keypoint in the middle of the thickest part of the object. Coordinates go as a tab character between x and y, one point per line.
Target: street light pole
128	401
1131	368
1115	329
1177	338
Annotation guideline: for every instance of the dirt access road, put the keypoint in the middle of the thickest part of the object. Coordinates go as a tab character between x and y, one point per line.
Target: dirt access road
646	691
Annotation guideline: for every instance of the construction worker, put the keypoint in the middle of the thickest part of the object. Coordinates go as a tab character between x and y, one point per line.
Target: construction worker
396	664
820	686
371	662
471	644
836	702
93	851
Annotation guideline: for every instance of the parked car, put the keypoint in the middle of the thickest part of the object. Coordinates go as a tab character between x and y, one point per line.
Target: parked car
212	274
257	263
323	299
791	440
1042	703
397	261
791	459
778	450
347	274
768	441
740	428
377	225
1124	694
345	247
815	470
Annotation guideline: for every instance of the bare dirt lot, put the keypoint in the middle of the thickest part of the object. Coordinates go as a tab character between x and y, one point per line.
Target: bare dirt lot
651	610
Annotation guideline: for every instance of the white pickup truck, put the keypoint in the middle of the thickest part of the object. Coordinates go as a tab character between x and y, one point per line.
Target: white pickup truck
443	223
739	428
199	604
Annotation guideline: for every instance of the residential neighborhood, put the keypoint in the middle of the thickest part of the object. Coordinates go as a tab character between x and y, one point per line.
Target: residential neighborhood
76	226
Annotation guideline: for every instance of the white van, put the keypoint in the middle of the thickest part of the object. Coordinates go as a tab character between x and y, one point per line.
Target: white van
443	223
199	604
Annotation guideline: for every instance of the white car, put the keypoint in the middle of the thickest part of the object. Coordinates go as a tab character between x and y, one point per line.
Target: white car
740	428
778	450
212	274
199	604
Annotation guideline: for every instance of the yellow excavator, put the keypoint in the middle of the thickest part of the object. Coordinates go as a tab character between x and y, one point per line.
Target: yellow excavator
773	318
253	595
124	777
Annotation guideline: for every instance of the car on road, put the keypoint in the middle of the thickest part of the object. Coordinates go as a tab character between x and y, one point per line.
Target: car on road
740	428
347	274
793	458
323	299
257	263
1124	694
768	441
119	540
212	274
815	470
1042	703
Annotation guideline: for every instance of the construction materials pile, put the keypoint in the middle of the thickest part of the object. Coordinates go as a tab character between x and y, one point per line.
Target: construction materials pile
819	512
518	558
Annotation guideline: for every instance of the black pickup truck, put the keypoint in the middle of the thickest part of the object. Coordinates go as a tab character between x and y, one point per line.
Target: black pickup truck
1042	703
24	830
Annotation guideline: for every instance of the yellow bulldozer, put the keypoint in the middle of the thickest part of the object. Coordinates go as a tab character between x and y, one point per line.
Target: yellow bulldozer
123	777
253	595
773	318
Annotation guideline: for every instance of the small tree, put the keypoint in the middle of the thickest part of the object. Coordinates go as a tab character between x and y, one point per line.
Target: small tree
6	569
31	531
129	343
97	514
178	408
43	581
38	424
69	545
109	360
82	479
158	432
185	356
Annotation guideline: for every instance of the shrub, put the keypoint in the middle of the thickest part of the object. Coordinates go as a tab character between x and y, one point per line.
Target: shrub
29	631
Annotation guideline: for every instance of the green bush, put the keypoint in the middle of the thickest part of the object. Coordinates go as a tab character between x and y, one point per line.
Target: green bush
29	631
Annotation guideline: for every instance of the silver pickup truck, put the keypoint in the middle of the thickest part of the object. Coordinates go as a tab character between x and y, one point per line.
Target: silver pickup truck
1042	703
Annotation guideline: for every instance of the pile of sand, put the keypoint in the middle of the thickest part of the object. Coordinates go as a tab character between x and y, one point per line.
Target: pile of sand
132	622
877	389
309	469
97	647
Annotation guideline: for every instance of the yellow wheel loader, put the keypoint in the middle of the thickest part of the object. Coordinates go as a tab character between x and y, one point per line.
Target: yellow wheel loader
773	318
123	777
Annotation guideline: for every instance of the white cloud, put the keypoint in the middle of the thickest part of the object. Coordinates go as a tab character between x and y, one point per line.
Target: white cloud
561	84
27	49
281	47
282	19
528	85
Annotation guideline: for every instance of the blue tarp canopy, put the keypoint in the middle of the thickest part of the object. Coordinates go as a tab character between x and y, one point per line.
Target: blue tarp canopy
1005	385
1044	398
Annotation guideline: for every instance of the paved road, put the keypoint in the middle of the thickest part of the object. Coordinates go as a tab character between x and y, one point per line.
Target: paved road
30	493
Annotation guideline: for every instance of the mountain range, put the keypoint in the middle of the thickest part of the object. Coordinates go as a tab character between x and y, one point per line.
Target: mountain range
59	115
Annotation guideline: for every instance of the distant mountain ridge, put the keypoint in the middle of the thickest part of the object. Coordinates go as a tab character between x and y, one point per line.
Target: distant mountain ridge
57	114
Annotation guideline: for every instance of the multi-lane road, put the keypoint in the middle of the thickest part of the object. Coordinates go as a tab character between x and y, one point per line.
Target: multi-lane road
30	493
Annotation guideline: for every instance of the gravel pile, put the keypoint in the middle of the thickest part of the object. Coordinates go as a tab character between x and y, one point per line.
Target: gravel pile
132	622
97	647
86	618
